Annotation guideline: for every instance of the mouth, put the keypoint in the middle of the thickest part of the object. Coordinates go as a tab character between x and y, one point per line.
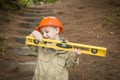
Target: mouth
46	37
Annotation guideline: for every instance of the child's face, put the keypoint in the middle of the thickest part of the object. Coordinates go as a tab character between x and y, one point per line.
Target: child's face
49	32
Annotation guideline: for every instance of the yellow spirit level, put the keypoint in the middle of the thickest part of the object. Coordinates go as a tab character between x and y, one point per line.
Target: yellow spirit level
68	46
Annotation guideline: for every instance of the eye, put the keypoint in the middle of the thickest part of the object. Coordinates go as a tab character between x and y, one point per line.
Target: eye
47	31
42	33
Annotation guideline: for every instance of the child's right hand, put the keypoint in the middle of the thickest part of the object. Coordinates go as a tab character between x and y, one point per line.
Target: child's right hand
37	35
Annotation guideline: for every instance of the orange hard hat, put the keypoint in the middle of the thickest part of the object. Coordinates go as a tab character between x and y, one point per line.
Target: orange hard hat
49	21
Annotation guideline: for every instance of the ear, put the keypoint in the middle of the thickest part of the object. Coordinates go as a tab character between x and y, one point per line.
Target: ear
57	30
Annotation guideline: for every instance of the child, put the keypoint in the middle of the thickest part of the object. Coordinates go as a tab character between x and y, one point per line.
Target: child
52	64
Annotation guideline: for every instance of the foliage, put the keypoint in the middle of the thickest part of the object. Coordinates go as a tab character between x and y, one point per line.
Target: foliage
14	5
37	1
44	1
25	3
49	1
9	5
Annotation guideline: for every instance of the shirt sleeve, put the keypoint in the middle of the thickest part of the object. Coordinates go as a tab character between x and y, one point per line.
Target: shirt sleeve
70	62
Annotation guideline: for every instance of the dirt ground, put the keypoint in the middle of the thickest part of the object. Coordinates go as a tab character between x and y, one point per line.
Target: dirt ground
92	22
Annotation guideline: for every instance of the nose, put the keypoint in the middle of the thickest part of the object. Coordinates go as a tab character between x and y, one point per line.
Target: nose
45	35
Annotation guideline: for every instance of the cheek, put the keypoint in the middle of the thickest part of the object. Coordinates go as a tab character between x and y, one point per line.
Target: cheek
52	34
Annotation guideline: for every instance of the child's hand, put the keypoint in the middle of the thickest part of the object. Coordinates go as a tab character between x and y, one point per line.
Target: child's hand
76	52
37	35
